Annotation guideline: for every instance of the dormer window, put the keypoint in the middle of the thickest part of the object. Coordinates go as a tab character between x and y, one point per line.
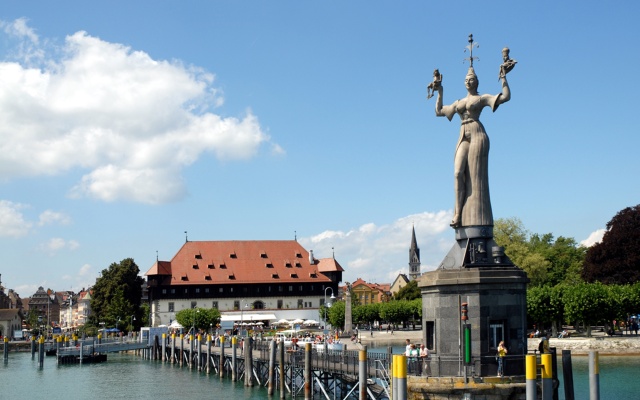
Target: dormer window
184	277
269	265
233	255
313	275
263	255
211	266
287	264
298	254
294	275
275	276
298	265
232	277
194	266
198	256
223	266
207	277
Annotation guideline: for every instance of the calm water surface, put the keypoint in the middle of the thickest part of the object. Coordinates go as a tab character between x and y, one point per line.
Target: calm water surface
128	376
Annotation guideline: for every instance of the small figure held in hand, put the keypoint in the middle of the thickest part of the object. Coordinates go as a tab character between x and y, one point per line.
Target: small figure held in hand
507	63
433	86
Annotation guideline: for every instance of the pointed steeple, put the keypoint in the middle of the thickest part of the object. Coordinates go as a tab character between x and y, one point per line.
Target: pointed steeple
414	256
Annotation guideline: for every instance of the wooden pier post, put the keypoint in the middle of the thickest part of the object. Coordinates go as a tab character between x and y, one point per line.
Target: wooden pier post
221	362
248	362
272	365
234	358
567	374
308	393
208	364
199	351
191	351
6	349
164	348
173	348
181	349
547	376
362	372
41	352
33	347
594	375
281	368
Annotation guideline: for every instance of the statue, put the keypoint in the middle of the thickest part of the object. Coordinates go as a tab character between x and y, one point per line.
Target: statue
433	86
471	161
507	63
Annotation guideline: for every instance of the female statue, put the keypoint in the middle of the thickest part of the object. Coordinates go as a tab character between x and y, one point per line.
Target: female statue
471	162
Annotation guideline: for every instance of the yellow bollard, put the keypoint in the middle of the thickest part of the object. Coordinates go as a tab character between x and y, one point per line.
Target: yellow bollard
547	376
531	374
401	372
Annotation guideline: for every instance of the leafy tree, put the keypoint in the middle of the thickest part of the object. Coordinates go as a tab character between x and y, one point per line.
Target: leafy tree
367	313
117	295
617	258
335	314
589	303
410	291
200	318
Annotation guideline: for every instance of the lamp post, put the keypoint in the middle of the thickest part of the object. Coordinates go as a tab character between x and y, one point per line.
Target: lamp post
133	318
193	322
241	317
327	305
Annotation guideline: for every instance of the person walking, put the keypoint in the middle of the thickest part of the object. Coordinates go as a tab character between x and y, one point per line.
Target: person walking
502	352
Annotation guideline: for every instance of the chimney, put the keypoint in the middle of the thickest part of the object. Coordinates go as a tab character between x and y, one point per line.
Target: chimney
311	259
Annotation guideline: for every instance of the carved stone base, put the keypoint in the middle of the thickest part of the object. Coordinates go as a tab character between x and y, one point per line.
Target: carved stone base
475	247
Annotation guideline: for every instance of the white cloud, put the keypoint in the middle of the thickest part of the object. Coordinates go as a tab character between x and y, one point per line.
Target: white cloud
55	244
12	222
377	253
594	237
49	217
131	122
85	270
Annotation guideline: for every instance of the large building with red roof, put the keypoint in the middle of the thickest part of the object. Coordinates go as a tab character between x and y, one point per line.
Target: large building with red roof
262	280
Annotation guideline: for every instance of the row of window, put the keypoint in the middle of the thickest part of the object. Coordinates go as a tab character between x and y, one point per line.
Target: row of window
256	305
229	289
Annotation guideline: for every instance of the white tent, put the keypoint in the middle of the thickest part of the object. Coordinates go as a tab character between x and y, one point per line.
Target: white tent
310	322
175	325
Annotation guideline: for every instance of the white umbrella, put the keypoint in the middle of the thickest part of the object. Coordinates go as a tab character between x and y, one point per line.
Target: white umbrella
297	321
259	323
283	322
310	322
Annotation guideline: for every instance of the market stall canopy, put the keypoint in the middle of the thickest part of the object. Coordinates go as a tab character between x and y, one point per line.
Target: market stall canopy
247	317
175	325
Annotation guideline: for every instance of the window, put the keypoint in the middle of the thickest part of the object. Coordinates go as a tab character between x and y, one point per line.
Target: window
269	265
194	304
206	290
199	256
290	288
195	266
173	291
279	304
214	304
197	290
431	334
300	303
171	306
211	266
236	304
164	291
496	333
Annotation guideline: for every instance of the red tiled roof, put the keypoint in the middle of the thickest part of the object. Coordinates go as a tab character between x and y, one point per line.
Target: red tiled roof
329	265
234	262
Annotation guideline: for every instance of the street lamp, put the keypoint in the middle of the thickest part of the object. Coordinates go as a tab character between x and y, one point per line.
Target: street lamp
193	322
133	318
242	305
327	305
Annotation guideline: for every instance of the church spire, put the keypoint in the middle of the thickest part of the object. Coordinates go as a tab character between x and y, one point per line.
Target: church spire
414	256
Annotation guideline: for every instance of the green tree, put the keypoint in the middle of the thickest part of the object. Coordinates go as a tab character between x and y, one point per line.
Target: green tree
617	258
410	291
200	318
117	294
336	314
589	303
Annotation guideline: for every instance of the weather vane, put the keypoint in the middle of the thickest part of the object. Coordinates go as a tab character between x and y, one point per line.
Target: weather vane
470	48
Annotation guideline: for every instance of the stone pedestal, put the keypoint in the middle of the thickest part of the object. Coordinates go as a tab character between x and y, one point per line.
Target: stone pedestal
475	272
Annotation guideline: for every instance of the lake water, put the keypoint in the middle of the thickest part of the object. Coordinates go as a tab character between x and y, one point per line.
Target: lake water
128	376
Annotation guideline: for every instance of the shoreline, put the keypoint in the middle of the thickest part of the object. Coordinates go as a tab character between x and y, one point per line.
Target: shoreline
619	345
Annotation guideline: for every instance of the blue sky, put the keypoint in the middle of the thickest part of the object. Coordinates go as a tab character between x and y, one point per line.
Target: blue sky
124	124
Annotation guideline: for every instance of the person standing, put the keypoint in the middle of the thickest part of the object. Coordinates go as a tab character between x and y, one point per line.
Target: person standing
425	360
502	352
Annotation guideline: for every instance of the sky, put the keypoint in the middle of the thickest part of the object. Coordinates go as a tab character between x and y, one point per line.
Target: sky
127	127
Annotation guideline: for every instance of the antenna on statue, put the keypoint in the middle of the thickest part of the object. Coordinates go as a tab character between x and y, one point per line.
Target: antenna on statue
470	47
